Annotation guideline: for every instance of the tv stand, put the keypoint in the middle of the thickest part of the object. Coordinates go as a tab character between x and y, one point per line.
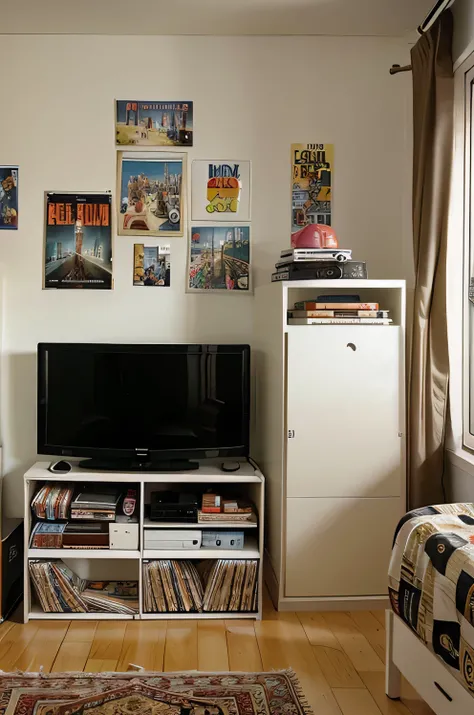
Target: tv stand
134	465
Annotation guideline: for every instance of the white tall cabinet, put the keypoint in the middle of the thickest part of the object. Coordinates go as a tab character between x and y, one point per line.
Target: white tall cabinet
329	434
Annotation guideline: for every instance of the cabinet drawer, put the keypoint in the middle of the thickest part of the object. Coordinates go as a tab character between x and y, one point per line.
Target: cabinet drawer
339	547
345	411
431	679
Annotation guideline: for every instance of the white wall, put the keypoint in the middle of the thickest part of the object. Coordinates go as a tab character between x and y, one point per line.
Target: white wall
252	97
463	38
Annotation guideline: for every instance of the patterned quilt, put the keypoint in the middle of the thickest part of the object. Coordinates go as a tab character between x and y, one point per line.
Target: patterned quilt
431	582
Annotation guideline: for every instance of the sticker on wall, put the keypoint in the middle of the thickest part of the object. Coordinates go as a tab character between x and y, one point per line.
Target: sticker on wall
154	123
219	258
78	240
151	265
311	185
150	189
220	190
8	197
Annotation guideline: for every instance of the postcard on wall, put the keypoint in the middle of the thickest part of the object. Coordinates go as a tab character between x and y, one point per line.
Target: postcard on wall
219	258
154	123
78	241
150	190
312	168
220	190
8	197
151	265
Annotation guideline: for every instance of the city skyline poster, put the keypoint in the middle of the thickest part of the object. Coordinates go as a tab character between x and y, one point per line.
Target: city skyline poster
153	123
78	241
219	259
150	194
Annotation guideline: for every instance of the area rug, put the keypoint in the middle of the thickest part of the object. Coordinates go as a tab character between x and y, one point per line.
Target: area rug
194	693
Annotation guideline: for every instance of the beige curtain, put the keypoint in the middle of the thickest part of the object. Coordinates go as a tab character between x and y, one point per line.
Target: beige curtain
433	89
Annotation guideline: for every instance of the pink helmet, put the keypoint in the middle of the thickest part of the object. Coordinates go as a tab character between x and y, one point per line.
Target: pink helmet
315	235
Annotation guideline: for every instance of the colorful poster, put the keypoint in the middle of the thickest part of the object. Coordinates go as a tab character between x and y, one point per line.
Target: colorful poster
220	190
150	188
153	123
8	197
151	265
78	241
311	187
219	258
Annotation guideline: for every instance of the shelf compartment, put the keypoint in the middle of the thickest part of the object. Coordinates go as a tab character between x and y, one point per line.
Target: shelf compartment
250	551
38	613
82	554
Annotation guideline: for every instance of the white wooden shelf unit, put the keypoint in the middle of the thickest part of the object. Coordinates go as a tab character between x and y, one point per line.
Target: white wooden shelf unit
122	564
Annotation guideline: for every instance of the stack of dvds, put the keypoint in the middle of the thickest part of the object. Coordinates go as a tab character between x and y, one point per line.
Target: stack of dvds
47	536
337	310
98	504
171	586
298	264
231	586
52	501
60	590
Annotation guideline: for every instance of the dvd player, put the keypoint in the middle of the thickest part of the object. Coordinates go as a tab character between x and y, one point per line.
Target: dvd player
170	506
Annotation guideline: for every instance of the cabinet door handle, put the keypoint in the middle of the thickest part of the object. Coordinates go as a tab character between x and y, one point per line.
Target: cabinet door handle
443	691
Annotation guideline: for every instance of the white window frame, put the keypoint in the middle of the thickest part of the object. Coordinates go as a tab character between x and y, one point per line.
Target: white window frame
467	72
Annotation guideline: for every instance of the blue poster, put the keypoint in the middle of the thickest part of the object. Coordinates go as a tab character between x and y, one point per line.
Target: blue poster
8	197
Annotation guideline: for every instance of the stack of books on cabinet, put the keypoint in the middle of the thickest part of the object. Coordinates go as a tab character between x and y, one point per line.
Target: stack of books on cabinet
92	555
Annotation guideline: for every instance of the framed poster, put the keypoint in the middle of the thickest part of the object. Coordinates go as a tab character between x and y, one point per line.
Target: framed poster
219	259
8	198
150	190
151	265
78	240
220	190
312	167
153	123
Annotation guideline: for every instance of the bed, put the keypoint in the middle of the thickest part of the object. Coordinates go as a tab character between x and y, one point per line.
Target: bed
430	627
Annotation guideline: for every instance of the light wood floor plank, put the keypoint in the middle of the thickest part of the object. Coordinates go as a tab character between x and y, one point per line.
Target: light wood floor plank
42	649
106	646
242	646
212	646
412	700
181	651
318	631
375	684
380	616
74	650
14	643
353	642
337	668
5	628
144	645
356	702
372	629
81	631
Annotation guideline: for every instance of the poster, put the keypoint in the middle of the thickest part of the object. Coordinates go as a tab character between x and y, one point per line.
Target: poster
220	190
150	188
219	258
311	190
153	123
78	241
151	265
8	197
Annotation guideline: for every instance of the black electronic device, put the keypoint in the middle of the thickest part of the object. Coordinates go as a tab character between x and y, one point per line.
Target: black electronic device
61	467
143	407
170	506
320	270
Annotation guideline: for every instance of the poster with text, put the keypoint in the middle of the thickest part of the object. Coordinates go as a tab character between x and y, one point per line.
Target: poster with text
78	241
8	197
219	258
150	187
220	190
151	265
154	123
311	186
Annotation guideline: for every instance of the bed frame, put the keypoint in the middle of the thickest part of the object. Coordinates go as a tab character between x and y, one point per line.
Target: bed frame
407	656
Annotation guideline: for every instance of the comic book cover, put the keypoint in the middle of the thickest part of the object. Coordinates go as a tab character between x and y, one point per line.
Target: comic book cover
219	258
151	265
8	197
153	123
78	242
151	194
311	185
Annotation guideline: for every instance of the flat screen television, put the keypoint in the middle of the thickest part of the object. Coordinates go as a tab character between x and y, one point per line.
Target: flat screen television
128	407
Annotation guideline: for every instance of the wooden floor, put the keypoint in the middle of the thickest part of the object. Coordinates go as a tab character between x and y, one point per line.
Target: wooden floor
338	657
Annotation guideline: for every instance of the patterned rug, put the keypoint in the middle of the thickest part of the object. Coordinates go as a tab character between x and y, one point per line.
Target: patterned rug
144	693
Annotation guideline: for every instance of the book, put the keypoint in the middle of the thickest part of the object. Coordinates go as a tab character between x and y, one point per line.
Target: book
52	501
344	313
339	321
334	305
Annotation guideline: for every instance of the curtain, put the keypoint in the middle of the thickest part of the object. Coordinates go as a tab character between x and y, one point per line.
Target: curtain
433	101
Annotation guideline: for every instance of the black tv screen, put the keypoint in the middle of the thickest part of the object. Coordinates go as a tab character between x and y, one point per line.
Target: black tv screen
164	401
